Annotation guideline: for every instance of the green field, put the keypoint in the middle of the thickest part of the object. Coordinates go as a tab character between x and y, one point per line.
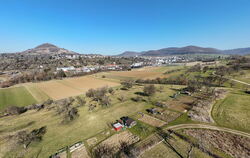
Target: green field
18	96
37	93
233	111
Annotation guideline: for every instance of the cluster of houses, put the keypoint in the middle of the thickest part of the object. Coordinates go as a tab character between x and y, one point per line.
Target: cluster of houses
90	68
123	123
77	56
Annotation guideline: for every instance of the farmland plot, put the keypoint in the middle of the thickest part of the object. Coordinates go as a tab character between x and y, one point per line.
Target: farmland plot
80	152
159	151
59	89
141	73
168	116
116	140
151	120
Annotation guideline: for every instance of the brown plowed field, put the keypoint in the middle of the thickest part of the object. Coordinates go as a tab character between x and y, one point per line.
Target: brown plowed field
59	89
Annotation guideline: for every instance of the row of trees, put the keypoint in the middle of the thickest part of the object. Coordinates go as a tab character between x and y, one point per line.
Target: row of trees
32	76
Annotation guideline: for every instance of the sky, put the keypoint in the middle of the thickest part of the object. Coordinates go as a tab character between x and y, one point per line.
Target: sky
113	26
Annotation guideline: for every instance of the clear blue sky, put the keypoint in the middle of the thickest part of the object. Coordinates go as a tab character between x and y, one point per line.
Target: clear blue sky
113	26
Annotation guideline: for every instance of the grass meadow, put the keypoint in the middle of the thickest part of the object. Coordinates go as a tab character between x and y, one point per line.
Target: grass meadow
87	125
233	111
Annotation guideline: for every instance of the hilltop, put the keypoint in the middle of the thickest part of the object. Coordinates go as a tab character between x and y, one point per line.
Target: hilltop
45	49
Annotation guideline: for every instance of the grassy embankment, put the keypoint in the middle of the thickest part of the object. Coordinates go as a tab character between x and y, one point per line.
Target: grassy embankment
233	111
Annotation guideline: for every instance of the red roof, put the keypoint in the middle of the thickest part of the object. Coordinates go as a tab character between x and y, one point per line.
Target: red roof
117	126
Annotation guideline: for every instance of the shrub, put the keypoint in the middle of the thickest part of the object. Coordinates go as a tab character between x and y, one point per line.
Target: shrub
111	90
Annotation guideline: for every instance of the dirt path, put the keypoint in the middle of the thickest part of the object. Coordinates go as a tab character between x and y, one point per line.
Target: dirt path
203	126
234	80
240	82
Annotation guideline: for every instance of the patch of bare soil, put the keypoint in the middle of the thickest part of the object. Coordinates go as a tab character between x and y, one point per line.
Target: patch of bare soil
168	116
116	140
201	111
92	141
180	104
152	120
62	155
80	152
234	145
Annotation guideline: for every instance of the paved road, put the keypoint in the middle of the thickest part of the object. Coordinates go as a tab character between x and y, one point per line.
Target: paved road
203	126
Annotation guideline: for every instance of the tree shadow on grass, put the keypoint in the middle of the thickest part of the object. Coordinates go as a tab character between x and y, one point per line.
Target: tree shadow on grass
141	94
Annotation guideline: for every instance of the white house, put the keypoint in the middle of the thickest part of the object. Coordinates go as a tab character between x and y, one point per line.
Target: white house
65	69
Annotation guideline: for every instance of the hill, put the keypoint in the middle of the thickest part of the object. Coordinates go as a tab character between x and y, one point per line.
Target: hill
239	51
186	50
174	51
45	49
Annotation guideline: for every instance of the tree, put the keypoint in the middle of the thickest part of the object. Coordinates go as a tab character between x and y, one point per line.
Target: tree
81	101
127	84
232	84
70	115
15	110
97	94
149	90
161	88
111	90
24	138
137	99
90	93
104	151
121	98
105	101
61	74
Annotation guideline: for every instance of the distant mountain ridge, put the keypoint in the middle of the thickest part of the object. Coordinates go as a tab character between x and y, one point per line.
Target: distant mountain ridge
185	50
50	49
239	51
47	49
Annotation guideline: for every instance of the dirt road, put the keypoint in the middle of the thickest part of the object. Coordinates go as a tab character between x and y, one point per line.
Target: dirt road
203	126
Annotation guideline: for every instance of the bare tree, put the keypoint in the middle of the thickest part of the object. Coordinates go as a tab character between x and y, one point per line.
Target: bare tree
121	98
104	151
149	90
127	84
24	138
80	101
105	101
